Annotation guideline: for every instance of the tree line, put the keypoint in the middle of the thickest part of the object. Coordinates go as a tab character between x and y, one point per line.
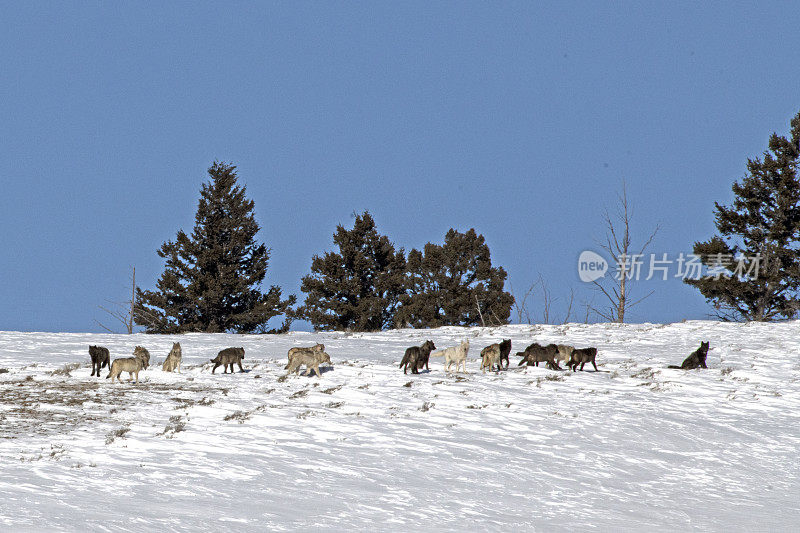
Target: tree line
212	279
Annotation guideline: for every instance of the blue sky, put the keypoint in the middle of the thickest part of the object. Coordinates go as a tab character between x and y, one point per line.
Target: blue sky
519	119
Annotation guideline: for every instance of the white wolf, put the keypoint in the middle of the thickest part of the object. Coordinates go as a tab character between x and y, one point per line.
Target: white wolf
454	354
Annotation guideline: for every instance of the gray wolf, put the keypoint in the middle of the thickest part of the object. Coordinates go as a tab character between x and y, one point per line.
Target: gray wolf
228	356
417	357
564	353
697	359
310	357
292	351
536	353
131	365
490	356
454	354
173	360
581	356
100	359
142	354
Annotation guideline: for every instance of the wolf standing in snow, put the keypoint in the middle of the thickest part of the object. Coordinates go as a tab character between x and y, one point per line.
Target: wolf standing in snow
454	354
227	357
505	350
697	359
310	357
416	357
173	360
142	353
100	359
298	349
490	356
581	356
131	365
536	353
564	353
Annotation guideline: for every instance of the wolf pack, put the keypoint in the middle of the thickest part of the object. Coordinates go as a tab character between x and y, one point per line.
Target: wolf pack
415	358
493	356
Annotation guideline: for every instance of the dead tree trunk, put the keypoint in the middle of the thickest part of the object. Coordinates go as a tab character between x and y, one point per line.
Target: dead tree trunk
619	244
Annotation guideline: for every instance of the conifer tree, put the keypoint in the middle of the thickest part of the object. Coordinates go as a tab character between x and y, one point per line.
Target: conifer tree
358	287
454	284
762	229
212	278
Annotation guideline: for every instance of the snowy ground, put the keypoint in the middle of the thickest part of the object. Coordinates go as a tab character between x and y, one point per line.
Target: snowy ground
634	446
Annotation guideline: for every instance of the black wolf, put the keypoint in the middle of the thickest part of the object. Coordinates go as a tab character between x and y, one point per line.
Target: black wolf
417	357
505	351
100	359
536	353
581	356
697	359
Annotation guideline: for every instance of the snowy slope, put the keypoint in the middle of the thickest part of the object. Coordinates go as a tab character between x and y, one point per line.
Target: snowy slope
631	447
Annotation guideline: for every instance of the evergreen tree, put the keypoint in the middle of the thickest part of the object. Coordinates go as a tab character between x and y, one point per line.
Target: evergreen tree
764	221
454	284
211	281
357	288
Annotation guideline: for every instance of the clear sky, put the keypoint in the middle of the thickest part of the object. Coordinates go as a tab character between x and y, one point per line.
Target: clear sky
519	119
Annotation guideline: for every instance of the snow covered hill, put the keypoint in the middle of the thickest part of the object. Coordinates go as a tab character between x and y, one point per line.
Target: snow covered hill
365	447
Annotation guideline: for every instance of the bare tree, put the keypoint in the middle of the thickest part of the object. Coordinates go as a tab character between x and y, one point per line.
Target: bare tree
121	311
521	304
548	300
587	307
496	322
619	245
568	314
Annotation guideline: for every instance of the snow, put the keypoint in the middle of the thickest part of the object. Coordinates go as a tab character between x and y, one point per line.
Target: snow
633	446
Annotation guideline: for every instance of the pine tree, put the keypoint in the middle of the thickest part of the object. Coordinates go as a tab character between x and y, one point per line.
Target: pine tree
764	221
454	284
357	288
211	281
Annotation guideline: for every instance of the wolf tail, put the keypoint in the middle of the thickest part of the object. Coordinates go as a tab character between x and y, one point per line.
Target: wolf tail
440	353
522	362
674	366
286	367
